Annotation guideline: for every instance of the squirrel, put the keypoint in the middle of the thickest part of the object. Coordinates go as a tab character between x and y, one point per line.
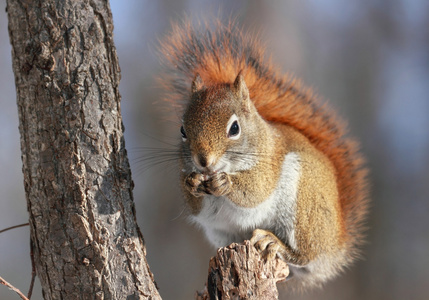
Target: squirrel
262	158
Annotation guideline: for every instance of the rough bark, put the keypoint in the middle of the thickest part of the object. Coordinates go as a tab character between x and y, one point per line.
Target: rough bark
238	272
77	179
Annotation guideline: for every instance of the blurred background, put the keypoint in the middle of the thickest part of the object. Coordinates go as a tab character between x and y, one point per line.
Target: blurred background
369	58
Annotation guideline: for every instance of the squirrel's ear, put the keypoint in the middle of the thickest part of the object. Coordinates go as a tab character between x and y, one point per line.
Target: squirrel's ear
197	84
242	90
241	87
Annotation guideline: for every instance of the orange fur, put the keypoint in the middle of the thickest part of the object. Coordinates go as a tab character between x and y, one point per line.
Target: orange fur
219	55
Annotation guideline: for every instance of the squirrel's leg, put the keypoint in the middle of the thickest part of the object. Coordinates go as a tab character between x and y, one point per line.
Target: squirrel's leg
270	246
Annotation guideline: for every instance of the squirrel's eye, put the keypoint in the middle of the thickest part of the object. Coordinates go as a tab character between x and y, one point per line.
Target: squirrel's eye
182	131
234	130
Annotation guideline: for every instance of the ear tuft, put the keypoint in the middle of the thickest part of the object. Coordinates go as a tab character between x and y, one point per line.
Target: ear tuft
241	87
197	84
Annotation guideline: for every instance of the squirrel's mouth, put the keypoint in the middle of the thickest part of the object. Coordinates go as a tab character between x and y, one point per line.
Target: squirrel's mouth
210	171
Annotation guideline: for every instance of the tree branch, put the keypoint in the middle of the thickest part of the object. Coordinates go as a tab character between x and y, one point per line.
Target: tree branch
5	283
238	272
13	227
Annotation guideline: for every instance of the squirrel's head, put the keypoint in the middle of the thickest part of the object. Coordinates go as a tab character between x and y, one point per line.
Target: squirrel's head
220	129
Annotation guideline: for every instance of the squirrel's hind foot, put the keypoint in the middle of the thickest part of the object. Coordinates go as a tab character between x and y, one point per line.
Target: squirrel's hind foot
268	245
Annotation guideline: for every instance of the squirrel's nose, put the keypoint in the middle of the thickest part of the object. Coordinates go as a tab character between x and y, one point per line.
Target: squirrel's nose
203	160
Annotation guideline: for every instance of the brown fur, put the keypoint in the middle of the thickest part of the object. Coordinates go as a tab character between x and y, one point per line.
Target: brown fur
218	55
317	205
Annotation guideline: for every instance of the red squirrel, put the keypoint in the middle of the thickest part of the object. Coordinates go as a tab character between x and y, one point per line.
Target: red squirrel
261	157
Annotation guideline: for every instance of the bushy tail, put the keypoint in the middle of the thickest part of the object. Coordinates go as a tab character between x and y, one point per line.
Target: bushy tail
217	53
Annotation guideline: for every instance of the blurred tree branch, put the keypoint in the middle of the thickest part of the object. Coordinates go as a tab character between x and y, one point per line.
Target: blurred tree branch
76	172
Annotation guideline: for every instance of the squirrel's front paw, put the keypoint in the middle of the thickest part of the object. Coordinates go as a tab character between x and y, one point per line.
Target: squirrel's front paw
218	184
194	184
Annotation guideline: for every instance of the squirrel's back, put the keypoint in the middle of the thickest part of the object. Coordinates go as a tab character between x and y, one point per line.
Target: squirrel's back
218	53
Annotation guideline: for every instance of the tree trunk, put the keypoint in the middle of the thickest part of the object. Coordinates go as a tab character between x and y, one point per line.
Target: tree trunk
77	179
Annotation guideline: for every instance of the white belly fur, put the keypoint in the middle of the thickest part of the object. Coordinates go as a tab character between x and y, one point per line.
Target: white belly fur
224	222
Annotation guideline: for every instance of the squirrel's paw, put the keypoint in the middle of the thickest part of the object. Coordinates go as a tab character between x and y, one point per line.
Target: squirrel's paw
268	245
218	184
194	184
